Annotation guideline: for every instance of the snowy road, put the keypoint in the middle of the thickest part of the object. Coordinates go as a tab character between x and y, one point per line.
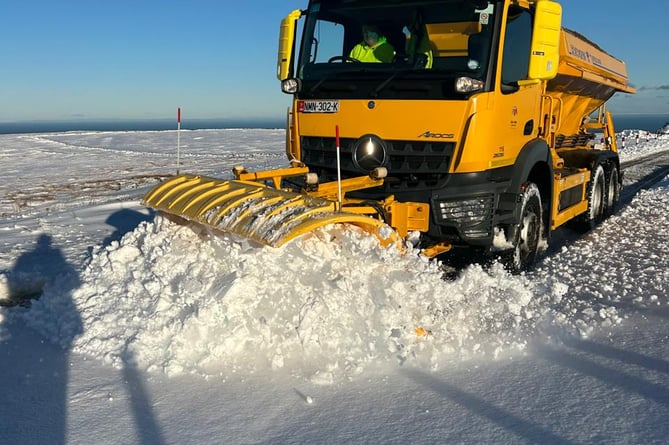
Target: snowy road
147	332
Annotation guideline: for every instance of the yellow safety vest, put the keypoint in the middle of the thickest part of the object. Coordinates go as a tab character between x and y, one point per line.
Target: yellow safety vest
381	52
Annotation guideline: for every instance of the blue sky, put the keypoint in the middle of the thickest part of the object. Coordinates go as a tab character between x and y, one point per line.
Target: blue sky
95	59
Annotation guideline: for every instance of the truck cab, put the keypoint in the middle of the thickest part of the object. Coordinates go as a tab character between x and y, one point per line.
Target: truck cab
465	117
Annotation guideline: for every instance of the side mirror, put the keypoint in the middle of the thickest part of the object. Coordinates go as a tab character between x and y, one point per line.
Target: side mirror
284	64
545	47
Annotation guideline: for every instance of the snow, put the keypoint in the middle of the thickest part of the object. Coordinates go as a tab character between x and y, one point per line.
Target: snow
665	129
146	331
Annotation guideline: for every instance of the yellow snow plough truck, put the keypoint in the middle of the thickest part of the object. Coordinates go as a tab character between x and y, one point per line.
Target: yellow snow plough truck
470	123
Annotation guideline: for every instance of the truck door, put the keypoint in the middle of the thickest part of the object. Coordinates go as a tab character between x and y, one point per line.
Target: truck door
517	102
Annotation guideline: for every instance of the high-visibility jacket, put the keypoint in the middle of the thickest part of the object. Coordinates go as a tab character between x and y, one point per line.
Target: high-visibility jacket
421	47
381	52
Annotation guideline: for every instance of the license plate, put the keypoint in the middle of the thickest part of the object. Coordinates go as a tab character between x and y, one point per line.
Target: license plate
318	106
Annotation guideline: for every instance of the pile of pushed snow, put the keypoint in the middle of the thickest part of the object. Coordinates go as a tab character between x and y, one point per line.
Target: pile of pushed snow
633	144
176	299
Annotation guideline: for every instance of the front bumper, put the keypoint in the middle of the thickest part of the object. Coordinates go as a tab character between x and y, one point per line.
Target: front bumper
468	208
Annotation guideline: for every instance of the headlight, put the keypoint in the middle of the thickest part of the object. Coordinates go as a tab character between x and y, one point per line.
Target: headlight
290	86
467	212
468	85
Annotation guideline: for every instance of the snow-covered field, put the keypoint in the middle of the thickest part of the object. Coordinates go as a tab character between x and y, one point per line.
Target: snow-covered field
150	332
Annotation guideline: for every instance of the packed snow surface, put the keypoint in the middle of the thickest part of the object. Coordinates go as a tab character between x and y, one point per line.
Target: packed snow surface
192	312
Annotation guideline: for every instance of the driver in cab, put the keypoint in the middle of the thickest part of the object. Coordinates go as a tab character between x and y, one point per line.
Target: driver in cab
374	47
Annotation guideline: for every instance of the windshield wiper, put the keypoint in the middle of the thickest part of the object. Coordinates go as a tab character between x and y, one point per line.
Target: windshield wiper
313	89
347	87
385	83
317	85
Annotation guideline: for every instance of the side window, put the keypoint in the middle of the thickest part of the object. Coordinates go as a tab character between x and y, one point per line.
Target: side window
516	61
328	41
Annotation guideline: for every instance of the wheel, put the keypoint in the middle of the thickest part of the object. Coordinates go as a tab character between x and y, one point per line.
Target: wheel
343	59
596	202
612	192
528	233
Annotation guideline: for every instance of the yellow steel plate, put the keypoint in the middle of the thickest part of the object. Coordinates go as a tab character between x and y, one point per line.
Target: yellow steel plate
252	210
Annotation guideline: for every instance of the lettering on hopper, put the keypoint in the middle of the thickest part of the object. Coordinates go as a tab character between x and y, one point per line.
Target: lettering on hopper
584	55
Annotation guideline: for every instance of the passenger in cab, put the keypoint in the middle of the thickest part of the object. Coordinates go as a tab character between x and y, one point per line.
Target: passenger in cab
373	48
418	48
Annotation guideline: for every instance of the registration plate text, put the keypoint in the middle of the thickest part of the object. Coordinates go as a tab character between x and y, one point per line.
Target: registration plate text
318	106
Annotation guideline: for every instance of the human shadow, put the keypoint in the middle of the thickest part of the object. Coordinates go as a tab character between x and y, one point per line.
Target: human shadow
26	279
124	221
148	430
522	428
35	373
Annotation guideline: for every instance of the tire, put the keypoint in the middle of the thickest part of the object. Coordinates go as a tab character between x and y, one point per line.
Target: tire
596	197
612	192
528	233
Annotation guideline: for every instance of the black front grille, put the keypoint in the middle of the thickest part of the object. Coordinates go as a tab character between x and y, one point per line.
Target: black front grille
410	164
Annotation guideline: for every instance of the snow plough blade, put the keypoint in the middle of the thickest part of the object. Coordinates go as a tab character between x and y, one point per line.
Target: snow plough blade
253	210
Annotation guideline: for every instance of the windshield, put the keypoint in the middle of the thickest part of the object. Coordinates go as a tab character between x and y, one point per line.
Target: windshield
394	49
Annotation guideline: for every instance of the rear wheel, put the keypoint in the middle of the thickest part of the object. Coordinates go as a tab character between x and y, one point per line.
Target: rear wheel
596	202
528	233
612	192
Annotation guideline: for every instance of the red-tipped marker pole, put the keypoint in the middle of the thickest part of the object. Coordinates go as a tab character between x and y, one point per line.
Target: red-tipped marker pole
178	137
339	197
